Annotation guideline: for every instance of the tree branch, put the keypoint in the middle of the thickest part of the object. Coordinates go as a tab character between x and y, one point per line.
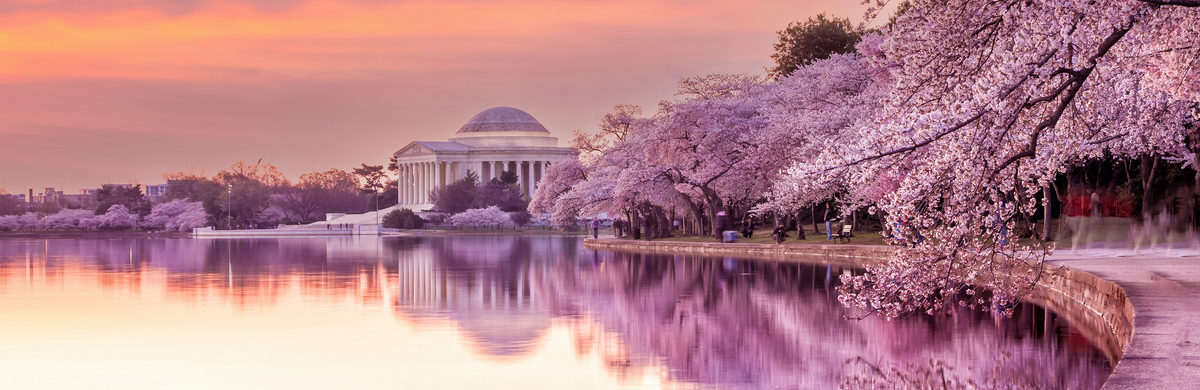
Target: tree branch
918	145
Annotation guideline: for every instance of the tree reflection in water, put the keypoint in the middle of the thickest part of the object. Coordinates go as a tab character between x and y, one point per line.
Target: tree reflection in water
763	324
721	322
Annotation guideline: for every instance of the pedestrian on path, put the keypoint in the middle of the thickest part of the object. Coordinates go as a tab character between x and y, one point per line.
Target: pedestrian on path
828	221
595	227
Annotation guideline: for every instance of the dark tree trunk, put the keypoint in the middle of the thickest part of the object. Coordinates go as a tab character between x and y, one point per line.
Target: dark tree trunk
664	224
636	224
1046	213
1149	165
714	206
812	212
799	227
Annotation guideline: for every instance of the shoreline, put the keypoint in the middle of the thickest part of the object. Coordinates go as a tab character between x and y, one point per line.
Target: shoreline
1098	307
52	234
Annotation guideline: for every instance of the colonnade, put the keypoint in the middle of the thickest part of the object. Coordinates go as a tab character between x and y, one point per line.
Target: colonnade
419	178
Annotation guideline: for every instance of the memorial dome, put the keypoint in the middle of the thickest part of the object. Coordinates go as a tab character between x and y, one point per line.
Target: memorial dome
502	119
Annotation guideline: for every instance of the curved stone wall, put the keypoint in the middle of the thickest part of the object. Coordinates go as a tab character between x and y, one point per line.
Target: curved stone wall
1097	307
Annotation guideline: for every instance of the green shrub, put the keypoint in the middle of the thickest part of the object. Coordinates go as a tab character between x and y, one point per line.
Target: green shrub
403	219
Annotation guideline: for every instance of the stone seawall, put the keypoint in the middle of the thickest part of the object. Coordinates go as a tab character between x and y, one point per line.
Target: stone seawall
1097	307
849	255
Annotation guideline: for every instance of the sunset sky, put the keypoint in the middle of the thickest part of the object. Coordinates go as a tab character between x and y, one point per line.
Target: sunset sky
117	91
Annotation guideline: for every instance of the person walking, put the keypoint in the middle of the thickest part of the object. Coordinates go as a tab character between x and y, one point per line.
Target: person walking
748	228
595	227
828	220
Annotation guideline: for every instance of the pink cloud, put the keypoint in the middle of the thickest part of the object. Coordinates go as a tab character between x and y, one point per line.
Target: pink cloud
132	89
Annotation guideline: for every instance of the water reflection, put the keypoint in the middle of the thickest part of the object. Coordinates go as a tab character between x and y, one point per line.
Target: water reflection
515	312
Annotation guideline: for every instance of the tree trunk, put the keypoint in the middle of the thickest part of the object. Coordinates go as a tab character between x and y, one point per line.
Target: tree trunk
812	211
665	224
697	213
1149	165
714	206
1046	212
799	227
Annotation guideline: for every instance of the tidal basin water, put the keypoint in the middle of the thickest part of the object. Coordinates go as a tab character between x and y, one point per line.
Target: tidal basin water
480	312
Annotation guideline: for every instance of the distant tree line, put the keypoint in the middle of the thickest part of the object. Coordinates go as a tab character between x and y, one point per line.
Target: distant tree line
242	195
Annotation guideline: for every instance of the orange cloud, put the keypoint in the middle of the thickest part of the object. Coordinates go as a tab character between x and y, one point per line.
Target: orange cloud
113	89
147	43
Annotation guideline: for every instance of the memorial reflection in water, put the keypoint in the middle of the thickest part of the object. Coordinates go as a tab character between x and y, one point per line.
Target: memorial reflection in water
510	311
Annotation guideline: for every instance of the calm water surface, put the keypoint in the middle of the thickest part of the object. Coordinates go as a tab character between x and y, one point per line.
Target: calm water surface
476	312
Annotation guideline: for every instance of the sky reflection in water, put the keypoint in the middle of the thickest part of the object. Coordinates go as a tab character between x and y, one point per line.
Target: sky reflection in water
473	312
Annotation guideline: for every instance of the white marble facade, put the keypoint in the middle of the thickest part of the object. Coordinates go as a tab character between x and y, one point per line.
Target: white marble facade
496	140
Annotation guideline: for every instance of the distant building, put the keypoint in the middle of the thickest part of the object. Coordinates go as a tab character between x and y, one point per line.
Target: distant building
48	195
19	197
156	191
496	140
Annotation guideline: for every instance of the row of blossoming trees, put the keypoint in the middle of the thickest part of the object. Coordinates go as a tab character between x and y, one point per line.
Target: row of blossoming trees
175	215
243	195
949	125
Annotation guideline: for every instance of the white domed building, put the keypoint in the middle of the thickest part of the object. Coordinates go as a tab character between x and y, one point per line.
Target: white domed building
496	140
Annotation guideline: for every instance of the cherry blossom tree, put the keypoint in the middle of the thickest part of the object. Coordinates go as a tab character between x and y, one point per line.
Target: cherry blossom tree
950	125
991	101
691	156
118	217
65	219
811	116
559	179
176	215
10	222
490	216
703	141
192	217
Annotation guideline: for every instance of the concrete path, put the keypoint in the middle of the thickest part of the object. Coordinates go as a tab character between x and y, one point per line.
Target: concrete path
1164	287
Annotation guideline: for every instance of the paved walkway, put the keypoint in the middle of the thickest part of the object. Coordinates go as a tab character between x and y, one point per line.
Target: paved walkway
1164	287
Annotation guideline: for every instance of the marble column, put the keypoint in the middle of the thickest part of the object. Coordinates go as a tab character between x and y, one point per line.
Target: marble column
525	169
537	174
529	179
516	168
403	184
422	190
431	171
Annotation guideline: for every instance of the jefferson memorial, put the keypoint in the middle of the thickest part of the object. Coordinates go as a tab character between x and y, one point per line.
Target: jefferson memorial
494	141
